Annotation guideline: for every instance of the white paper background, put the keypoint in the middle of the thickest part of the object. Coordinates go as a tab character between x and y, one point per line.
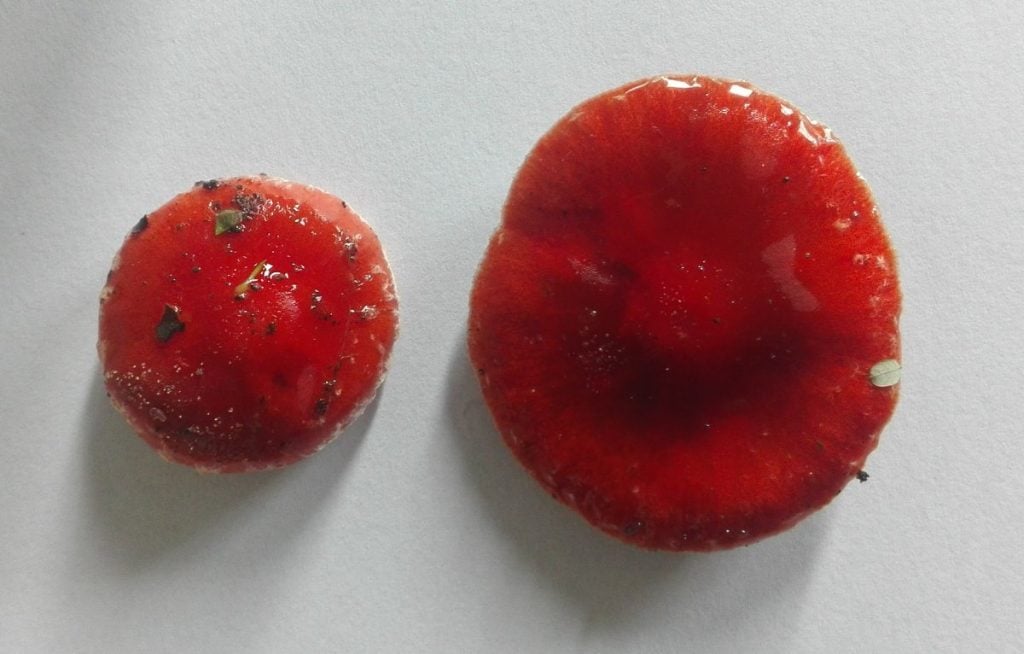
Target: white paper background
418	532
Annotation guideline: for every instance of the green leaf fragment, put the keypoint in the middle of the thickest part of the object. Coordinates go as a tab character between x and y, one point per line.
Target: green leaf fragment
253	276
227	221
885	373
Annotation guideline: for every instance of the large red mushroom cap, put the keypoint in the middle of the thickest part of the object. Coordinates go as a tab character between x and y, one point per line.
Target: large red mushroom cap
686	325
245	322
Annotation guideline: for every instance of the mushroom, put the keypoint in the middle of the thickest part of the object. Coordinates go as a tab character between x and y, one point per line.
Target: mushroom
245	323
677	323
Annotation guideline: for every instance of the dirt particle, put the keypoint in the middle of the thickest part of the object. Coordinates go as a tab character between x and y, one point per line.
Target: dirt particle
141	225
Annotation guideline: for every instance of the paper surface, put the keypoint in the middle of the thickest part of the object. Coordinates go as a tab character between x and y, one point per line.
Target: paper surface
417	532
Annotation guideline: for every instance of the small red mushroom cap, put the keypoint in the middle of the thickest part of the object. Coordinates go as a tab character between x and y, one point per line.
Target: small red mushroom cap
245	322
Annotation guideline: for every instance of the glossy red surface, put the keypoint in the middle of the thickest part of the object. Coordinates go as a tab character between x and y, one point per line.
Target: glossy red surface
674	324
271	335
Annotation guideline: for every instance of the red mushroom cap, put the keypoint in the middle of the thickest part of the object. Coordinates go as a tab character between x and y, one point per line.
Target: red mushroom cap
677	324
245	322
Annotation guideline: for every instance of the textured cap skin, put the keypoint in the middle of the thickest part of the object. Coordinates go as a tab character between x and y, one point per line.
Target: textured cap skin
245	322
675	323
